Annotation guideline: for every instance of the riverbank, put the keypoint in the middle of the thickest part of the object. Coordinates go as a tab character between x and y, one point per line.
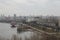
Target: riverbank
8	33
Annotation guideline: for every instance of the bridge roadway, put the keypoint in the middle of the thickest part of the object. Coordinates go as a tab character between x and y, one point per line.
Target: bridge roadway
41	31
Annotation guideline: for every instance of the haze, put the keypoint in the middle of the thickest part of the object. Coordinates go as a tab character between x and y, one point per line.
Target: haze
30	7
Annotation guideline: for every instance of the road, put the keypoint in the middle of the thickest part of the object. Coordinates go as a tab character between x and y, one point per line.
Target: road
41	31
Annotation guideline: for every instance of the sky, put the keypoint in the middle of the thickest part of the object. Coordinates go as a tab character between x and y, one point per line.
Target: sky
30	7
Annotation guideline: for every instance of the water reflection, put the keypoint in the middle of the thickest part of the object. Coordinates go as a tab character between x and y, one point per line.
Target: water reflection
22	30
9	33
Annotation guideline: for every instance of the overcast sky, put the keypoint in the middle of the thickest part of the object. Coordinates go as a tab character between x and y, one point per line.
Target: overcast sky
30	7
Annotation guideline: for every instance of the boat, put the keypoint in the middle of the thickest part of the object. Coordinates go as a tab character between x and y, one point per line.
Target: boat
13	24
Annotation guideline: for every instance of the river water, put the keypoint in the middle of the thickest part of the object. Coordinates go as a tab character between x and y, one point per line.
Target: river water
7	32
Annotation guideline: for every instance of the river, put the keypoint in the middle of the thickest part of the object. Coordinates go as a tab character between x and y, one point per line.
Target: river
7	32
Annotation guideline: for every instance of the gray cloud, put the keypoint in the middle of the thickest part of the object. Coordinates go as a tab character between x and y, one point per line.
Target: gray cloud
30	7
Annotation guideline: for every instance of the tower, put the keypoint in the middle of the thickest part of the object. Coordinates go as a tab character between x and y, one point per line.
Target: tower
14	16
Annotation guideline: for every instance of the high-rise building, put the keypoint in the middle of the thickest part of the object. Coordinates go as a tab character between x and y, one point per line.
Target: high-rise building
14	16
